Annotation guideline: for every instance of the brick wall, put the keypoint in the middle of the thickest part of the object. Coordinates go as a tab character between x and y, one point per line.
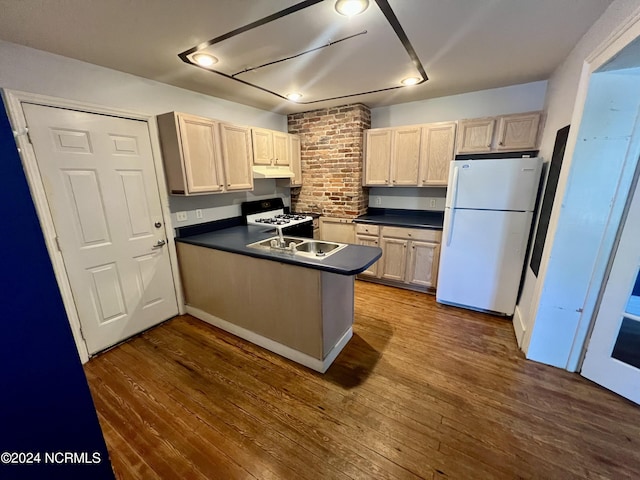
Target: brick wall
332	147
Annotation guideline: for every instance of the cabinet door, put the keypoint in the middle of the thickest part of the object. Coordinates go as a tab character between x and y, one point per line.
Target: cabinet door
340	230
262	146
474	136
280	148
423	264
369	241
377	159
518	132
203	169
438	143
296	162
405	160
394	258
236	156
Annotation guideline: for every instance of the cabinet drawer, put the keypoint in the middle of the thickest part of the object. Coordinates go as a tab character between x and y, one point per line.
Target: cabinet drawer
366	229
412	234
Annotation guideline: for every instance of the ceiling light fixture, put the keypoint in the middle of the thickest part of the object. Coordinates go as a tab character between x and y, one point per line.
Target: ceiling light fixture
204	60
349	8
410	81
294	97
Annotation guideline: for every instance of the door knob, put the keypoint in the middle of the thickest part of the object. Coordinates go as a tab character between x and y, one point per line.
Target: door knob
157	224
159	244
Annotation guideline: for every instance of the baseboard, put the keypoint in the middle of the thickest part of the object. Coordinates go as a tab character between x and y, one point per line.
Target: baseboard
275	347
518	326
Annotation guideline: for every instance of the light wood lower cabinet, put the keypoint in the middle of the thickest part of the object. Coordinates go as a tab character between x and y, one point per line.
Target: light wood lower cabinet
410	256
339	230
423	264
369	241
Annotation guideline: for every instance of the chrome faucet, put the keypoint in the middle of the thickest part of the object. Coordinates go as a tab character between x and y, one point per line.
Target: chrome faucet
281	238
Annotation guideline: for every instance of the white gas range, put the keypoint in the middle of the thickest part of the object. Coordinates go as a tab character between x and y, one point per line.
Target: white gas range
271	213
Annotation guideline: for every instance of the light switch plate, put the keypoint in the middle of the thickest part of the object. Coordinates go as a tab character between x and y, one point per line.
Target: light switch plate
198	213
181	216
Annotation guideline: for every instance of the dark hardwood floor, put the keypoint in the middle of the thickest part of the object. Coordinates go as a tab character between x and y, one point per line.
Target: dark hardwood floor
421	391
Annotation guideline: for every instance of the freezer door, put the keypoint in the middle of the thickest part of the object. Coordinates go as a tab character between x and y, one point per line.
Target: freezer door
482	258
504	184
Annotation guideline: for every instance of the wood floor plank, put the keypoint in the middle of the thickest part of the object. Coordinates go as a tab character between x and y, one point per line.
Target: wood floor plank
422	390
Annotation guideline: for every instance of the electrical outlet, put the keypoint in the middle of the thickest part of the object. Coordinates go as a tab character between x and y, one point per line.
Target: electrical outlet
198	213
181	216
432	202
378	201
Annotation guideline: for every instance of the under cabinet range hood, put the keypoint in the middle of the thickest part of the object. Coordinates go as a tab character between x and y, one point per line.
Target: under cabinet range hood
269	171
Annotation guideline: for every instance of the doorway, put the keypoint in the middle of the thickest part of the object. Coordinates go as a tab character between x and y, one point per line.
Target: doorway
93	174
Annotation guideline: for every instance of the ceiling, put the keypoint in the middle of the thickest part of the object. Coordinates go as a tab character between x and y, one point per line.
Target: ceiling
463	45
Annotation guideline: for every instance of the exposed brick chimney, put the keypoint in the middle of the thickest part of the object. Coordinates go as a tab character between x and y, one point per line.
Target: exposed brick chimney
332	149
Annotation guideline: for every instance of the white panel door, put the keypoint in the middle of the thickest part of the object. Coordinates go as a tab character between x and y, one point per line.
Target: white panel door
481	258
100	182
505	184
613	354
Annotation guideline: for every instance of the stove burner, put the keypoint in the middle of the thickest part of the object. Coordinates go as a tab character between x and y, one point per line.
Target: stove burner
291	216
273	221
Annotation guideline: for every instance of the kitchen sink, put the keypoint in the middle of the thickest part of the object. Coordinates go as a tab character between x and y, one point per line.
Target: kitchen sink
305	247
267	243
319	248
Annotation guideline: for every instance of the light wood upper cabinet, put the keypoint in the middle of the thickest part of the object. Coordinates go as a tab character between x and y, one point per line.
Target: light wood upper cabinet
270	147
405	159
412	156
204	156
237	155
280	148
474	136
437	152
262	146
295	160
378	153
191	152
518	132
506	133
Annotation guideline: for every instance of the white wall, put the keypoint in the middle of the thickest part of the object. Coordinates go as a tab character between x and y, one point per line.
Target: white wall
552	331
35	71
484	103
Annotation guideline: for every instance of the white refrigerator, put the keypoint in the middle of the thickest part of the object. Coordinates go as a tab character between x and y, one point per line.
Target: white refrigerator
487	219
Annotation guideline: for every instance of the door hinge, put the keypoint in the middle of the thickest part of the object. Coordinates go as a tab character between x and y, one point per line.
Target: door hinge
58	244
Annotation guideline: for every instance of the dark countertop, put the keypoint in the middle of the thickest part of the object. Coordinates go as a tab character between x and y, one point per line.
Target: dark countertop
402	218
351	260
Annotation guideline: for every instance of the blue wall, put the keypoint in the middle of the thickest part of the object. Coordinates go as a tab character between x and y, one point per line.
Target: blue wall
45	403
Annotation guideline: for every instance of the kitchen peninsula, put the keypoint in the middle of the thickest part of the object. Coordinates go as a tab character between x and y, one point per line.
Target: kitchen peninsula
297	306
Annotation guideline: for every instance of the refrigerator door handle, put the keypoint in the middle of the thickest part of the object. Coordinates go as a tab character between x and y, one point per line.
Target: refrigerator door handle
452	208
454	187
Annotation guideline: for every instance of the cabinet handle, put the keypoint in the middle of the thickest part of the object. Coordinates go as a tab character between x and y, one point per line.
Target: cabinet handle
386	181
221	186
500	143
489	146
228	184
395	181
408	234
